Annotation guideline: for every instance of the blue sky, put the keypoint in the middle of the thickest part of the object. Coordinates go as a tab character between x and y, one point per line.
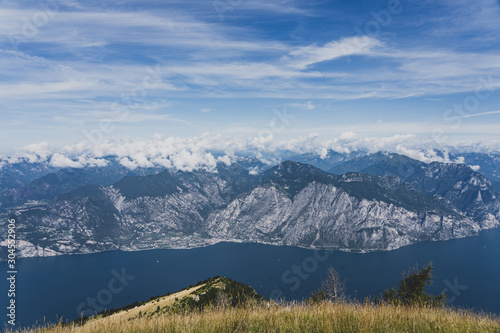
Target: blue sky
127	70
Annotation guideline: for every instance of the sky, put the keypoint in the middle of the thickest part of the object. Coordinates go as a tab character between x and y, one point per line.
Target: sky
86	73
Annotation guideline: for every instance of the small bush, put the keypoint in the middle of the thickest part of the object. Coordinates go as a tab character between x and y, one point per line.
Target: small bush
317	296
411	290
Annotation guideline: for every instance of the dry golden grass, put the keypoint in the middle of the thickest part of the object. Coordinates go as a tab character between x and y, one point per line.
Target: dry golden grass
324	317
145	309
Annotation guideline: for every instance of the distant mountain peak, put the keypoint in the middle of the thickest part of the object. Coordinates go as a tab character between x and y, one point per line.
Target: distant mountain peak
291	168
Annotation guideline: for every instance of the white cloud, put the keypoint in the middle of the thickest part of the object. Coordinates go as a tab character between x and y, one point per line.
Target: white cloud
466	16
60	161
306	106
224	159
34	153
481	114
93	162
254	171
475	167
126	162
309	55
277	6
83	29
188	154
348	136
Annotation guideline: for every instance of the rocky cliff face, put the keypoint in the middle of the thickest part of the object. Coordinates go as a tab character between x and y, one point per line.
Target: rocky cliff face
467	190
290	204
353	212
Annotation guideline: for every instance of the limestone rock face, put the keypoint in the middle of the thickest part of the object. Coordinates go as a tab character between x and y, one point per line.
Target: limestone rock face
290	204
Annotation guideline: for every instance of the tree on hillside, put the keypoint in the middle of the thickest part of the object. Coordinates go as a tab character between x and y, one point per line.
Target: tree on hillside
411	290
334	287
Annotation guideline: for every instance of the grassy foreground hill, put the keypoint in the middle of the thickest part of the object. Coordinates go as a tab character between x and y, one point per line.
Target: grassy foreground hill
223	305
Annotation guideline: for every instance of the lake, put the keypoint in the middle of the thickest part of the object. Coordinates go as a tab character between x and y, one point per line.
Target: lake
468	270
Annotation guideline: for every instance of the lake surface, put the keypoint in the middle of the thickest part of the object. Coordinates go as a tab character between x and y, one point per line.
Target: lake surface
468	270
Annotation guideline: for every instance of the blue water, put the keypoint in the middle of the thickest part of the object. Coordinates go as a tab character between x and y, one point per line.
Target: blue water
467	269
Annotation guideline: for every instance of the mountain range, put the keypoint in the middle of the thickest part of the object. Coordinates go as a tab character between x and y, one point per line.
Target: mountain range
361	202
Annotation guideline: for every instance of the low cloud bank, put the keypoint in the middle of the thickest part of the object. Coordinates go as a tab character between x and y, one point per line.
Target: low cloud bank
204	152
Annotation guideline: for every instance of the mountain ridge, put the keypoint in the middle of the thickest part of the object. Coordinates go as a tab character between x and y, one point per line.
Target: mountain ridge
289	204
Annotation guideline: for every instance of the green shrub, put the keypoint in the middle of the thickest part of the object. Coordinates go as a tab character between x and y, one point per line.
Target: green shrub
411	290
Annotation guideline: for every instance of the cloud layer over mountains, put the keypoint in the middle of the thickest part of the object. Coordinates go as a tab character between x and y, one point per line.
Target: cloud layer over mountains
204	152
